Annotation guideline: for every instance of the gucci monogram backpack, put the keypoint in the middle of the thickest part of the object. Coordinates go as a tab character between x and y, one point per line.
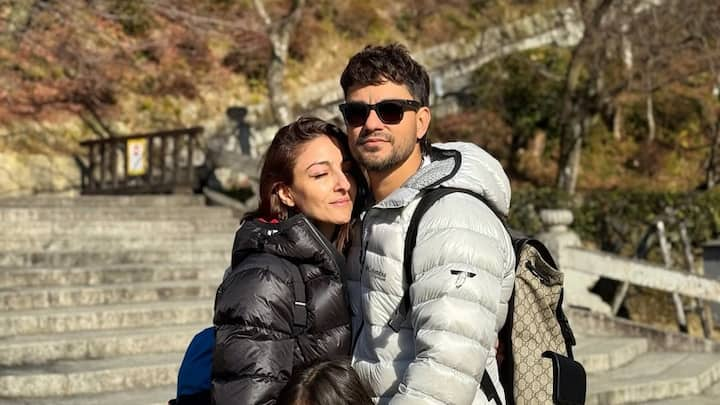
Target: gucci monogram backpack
535	355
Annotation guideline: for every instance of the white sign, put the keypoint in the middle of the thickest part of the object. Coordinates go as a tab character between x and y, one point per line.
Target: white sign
136	157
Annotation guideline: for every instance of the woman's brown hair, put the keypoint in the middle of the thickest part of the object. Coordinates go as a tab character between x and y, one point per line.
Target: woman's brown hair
330	382
279	161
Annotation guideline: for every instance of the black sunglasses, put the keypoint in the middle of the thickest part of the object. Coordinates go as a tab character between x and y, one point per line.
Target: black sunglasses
389	111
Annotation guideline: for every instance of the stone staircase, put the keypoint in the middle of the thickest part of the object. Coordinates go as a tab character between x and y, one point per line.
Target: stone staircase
100	296
626	370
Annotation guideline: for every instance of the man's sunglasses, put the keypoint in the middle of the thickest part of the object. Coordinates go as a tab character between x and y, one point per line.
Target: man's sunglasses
389	111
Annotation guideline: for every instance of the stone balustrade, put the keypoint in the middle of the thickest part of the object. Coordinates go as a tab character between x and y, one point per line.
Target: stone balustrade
583	267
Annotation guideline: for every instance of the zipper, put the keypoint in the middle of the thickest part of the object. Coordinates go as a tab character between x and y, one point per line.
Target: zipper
364	240
323	242
363	252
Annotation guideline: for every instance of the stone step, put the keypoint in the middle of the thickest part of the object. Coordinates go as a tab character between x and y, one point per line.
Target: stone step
107	274
710	396
88	258
45	349
174	200
602	353
150	396
655	376
76	377
74	296
129	228
15	215
64	242
103	317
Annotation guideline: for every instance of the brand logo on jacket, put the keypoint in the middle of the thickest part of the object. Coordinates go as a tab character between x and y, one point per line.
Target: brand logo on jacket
379	274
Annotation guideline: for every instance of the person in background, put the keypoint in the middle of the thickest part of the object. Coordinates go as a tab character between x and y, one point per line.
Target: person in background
326	383
281	305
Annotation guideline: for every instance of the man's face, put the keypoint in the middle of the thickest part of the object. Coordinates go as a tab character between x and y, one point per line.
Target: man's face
382	147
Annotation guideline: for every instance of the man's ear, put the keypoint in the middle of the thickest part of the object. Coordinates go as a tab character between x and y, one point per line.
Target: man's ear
423	117
286	196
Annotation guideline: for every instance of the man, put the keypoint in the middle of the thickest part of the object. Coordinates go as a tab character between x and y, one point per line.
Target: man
463	264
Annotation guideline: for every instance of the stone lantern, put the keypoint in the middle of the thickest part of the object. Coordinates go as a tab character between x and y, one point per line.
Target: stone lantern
558	235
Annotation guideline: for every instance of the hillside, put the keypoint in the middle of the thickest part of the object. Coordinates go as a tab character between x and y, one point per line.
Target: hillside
69	68
75	70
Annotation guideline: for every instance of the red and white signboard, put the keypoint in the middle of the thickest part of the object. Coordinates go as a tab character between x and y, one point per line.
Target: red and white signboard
136	157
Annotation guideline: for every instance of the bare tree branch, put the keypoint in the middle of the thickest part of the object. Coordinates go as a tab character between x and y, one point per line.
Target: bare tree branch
279	33
260	7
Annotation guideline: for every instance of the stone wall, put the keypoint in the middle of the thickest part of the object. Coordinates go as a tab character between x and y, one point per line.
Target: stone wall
22	174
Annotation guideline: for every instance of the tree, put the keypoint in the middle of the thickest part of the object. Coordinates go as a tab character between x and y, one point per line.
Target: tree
18	17
83	57
583	79
657	44
57	69
279	32
680	52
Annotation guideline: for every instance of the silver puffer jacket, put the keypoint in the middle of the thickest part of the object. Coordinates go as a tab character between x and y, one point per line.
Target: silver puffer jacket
463	273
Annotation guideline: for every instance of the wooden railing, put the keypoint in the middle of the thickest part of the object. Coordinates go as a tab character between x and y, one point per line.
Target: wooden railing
158	162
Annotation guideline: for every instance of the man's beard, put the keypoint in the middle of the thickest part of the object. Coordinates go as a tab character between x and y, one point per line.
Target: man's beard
398	155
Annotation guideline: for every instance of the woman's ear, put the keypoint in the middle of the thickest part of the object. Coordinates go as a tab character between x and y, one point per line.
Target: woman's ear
286	196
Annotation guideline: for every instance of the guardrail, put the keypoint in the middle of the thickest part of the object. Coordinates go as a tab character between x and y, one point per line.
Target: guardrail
157	162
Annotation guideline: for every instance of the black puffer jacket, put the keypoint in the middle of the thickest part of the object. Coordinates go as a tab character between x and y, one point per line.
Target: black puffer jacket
255	351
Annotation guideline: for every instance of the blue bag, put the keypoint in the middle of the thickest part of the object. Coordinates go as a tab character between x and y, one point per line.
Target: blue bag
195	375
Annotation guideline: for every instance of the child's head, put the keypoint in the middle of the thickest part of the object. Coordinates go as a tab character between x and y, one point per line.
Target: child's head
326	383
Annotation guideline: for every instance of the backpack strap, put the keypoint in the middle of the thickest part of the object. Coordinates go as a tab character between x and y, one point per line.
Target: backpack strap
300	304
427	199
489	388
567	332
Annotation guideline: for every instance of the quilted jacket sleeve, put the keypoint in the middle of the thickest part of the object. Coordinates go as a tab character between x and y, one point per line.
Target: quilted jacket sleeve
253	355
463	268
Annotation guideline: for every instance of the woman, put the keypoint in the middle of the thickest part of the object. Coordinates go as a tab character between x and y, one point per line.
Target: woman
282	306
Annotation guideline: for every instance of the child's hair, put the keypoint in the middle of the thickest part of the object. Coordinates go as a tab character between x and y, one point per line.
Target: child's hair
326	383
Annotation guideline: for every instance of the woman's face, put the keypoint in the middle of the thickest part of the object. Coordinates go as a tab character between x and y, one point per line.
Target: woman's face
322	186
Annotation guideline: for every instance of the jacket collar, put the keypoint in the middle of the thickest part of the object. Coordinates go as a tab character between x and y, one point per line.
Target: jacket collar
460	165
294	239
438	166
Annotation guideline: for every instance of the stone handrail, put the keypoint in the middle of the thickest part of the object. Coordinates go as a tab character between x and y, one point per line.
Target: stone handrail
638	272
451	64
224	200
560	26
582	268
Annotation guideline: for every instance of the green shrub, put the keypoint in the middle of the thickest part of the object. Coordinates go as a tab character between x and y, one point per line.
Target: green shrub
252	61
134	16
616	220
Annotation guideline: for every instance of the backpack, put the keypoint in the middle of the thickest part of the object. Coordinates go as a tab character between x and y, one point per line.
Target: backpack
536	328
195	375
